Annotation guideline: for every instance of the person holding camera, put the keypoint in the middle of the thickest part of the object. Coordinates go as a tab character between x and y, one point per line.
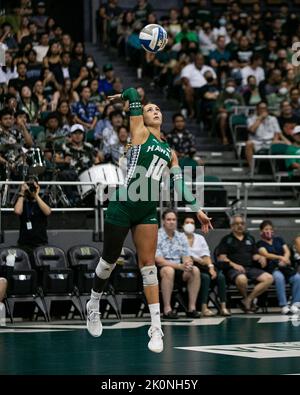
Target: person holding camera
33	212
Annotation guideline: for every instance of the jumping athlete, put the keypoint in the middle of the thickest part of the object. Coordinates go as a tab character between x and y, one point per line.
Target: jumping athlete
151	153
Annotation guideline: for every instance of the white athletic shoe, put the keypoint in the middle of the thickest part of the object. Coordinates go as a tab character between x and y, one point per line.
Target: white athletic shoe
285	309
2	314
156	343
294	309
93	322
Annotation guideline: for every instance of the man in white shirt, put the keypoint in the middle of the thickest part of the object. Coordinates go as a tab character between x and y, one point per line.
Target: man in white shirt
42	48
192	78
254	69
263	130
9	71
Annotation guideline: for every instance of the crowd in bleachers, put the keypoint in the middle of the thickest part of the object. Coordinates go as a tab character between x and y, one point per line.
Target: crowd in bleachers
216	59
55	116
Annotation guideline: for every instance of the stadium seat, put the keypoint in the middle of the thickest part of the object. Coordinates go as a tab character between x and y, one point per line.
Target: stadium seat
35	130
126	280
56	277
84	260
239	132
22	281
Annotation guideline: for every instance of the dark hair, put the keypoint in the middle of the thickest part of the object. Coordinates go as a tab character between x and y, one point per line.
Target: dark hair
177	114
115	113
168	211
265	223
6	111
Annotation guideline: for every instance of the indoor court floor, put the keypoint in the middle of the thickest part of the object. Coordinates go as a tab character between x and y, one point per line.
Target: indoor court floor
238	345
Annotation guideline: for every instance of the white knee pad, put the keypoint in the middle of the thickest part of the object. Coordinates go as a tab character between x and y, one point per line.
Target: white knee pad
104	269
149	274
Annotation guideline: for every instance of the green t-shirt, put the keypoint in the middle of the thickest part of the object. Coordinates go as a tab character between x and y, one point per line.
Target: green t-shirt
292	150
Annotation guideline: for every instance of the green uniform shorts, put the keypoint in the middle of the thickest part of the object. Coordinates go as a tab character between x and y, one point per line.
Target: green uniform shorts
128	215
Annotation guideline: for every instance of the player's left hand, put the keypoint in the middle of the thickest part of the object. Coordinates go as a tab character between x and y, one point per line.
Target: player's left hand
206	225
114	97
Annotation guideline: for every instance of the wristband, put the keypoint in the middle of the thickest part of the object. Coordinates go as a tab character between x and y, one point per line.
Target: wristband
135	105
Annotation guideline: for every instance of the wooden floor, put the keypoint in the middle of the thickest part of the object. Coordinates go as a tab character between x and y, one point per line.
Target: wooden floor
239	345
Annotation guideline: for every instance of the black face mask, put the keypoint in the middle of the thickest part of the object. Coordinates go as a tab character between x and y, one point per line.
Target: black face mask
209	79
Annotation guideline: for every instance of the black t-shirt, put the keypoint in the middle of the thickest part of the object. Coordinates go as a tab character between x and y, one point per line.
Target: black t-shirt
32	214
238	251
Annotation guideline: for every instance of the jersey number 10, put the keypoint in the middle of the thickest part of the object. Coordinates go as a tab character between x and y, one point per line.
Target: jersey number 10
156	168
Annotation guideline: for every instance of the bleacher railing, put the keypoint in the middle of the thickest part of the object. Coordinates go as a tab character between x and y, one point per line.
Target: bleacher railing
99	210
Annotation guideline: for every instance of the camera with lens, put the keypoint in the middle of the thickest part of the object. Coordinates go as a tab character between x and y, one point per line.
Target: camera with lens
32	187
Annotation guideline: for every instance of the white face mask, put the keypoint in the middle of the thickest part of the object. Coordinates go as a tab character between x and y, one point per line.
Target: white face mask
189	228
283	91
90	65
230	89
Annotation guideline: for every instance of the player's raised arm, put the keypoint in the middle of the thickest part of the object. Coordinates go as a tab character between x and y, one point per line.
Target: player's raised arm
183	190
138	130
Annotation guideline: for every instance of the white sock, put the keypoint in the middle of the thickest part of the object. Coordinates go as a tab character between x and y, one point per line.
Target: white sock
155	315
95	300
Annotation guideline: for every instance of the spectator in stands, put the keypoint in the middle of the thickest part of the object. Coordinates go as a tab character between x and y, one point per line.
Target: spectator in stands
3	288
42	48
85	112
206	39
28	104
296	253
295	101
38	96
32	38
209	96
106	84
40	18
110	134
278	256
54	136
23	28
210	276
272	84
254	69
9	71
175	265
33	212
113	152
75	157
263	131
241	261
192	78
67	93
77	153
12	139
252	94
141	10
65	114
287	120
21	80
104	122
225	104
275	99
220	58
179	138
293	165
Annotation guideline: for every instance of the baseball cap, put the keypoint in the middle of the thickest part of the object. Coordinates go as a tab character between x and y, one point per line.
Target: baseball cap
76	127
296	130
107	67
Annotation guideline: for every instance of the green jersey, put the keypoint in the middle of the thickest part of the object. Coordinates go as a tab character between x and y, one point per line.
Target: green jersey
146	163
136	201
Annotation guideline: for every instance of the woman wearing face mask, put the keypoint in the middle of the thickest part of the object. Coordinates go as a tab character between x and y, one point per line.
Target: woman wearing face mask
279	265
199	251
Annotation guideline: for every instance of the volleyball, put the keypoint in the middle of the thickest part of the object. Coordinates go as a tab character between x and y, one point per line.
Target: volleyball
153	38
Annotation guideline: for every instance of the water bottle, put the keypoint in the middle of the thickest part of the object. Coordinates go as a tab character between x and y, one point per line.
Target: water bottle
10	260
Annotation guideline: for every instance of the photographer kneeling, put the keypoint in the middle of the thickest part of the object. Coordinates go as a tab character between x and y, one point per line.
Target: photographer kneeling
33	213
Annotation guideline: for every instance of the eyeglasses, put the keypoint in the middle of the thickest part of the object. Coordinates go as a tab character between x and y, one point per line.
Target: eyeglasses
239	223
